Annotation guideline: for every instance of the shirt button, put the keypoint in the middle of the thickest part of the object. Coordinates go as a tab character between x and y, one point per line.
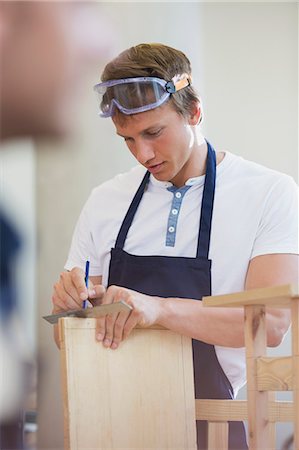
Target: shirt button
174	212
178	195
171	229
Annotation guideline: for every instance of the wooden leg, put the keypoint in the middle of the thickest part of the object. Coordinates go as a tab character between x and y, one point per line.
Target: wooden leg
295	354
272	436
258	402
217	435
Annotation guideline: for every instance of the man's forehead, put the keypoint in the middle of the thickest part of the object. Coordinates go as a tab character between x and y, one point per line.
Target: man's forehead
142	121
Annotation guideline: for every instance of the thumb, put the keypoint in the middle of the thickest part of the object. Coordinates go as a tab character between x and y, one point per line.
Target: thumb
96	293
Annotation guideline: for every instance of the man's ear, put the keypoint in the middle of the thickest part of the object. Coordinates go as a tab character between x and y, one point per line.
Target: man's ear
196	115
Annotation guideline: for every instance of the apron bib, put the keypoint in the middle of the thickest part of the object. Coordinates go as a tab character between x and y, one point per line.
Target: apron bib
180	277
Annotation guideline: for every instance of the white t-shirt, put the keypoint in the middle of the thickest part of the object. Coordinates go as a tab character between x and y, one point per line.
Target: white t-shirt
255	213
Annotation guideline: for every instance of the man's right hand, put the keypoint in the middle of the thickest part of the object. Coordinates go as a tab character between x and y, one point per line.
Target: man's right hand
70	291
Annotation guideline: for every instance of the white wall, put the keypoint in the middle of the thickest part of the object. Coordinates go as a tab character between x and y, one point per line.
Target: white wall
245	65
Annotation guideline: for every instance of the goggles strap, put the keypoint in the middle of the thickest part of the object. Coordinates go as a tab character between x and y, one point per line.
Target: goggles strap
174	86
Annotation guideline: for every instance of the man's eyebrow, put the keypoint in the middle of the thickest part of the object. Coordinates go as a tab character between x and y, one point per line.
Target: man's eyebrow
118	134
146	130
123	136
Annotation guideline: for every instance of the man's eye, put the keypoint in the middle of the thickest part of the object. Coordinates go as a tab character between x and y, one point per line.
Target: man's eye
154	133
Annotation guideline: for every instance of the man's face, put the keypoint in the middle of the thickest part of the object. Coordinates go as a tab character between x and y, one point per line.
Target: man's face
44	50
161	140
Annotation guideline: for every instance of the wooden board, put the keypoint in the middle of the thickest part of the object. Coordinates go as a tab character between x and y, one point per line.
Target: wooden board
274	374
139	396
260	431
295	369
218	436
276	296
236	410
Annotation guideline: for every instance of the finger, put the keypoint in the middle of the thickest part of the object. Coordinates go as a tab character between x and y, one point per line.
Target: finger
110	321
78	279
119	328
100	328
58	305
96	294
67	283
101	321
68	301
130	324
110	295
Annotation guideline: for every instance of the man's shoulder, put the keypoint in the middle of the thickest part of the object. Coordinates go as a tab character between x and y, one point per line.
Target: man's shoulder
252	173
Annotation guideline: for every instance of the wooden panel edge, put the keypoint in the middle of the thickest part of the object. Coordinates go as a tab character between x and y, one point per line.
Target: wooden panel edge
280	295
236	410
64	384
189	392
90	322
221	410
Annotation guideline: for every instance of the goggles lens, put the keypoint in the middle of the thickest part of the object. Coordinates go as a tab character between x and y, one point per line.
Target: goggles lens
134	95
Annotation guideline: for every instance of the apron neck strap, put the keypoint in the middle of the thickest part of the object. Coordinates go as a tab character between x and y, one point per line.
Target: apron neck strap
204	234
121	238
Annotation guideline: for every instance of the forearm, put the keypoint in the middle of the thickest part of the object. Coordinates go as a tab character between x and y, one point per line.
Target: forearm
216	326
225	326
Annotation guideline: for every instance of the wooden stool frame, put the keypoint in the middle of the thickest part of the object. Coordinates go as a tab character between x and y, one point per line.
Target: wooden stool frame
265	375
177	418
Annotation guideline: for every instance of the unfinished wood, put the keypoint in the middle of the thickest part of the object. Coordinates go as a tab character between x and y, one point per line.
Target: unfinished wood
272	437
255	341
217	436
274	374
281	411
236	410
278	296
221	410
295	353
65	398
139	396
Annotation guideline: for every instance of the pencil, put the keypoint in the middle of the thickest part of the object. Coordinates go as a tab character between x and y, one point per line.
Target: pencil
86	282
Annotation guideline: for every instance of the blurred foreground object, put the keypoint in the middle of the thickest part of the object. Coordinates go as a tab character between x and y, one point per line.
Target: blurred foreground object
46	47
45	50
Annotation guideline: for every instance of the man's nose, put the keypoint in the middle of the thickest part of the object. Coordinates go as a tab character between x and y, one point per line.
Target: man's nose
144	152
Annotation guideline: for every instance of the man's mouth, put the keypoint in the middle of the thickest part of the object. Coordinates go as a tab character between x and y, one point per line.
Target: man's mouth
154	168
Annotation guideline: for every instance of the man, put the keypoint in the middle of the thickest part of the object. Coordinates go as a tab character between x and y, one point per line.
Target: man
45	48
187	222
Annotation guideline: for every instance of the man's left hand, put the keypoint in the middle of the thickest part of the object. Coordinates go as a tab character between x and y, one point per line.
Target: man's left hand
114	328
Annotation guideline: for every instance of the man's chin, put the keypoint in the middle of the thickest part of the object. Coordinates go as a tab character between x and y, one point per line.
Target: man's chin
162	177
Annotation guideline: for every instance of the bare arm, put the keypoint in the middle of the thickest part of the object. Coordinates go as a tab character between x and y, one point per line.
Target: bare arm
225	326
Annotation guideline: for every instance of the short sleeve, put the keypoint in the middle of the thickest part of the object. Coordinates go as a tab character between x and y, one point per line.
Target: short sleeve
278	228
82	245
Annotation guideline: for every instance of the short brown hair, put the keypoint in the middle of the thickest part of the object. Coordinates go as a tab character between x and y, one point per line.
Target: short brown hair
155	60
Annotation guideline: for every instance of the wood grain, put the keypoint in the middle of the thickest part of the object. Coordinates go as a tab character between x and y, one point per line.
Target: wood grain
236	410
276	296
217	436
139	396
295	367
274	374
259	428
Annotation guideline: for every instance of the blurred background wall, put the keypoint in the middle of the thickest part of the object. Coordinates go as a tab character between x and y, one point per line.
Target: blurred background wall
245	65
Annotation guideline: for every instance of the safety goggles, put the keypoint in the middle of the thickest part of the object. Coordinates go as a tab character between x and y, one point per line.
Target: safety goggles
136	95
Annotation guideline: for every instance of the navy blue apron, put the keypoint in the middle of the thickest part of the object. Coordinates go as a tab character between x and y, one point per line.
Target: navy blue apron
166	276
